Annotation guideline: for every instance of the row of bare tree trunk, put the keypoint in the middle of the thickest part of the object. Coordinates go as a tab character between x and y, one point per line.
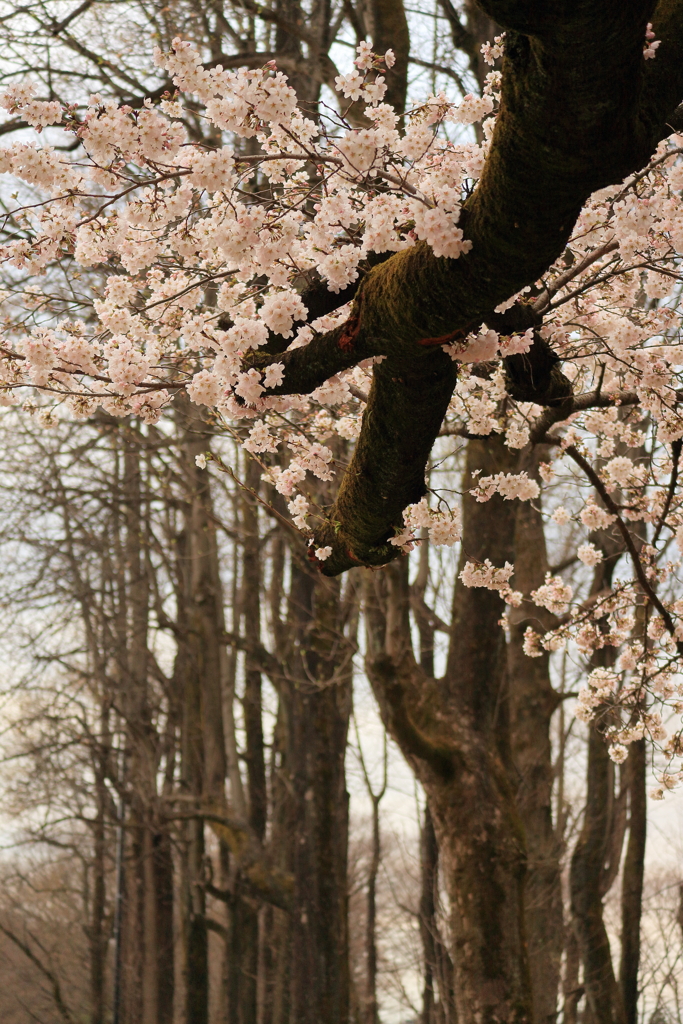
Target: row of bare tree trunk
227	804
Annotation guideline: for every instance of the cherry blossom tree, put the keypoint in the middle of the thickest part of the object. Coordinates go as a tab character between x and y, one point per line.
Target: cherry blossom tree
390	285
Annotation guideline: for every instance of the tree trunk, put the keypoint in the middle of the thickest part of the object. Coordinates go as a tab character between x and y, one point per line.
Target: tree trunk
438	997
96	935
429	859
315	705
132	926
283	824
197	939
602	991
388	28
532	703
164	890
454	732
198	679
632	881
139	964
371	1015
248	927
150	986
597	852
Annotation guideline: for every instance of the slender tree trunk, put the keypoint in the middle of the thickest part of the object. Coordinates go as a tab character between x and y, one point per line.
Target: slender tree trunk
371	1014
132	925
233	965
482	29
438	998
198	681
597	852
388	27
187	685
251	610
150	990
532	703
139	976
250	604
632	881
164	891
283	825
96	933
371	1008
319	942
602	990
197	957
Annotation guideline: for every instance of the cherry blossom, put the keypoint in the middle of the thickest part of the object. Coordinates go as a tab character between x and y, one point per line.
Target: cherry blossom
185	269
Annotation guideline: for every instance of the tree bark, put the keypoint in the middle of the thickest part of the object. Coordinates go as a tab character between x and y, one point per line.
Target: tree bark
198	682
429	859
632	880
438	998
588	860
596	856
317	717
532	703
165	896
455	734
140	978
96	933
250	605
371	1014
388	27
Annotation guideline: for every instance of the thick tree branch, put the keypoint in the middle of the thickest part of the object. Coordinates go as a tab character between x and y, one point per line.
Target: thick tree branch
580	110
579	403
404	691
266	881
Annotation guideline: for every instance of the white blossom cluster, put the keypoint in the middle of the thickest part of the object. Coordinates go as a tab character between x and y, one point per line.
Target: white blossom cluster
187	217
444	527
485	574
508	485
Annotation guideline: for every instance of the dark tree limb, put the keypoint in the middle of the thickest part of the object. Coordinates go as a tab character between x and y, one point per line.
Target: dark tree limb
595	861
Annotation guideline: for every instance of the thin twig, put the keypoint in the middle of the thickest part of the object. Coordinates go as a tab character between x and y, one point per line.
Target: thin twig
599	486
